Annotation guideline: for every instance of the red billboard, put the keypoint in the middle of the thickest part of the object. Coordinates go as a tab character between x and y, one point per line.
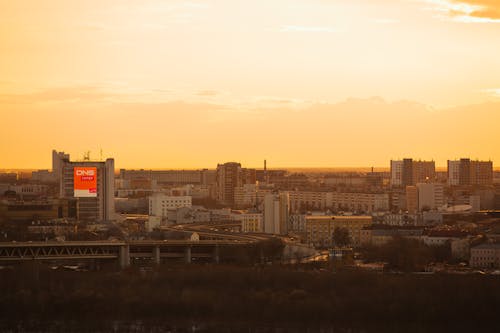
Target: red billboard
85	182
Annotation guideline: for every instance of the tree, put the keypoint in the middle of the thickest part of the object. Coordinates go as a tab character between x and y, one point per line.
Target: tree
341	237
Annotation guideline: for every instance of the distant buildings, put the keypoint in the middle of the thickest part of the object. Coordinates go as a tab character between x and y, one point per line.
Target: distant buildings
408	172
467	172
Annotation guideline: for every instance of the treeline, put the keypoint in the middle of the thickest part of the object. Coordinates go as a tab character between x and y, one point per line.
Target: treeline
254	296
407	255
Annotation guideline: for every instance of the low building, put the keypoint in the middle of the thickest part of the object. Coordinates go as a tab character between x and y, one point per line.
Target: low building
160	203
319	229
486	255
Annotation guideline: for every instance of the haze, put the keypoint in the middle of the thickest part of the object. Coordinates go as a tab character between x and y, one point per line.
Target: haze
309	83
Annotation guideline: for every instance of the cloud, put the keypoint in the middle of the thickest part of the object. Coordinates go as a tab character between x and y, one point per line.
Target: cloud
301	28
495	92
468	11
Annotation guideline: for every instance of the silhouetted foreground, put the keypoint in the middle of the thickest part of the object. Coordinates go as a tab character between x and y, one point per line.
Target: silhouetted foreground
233	299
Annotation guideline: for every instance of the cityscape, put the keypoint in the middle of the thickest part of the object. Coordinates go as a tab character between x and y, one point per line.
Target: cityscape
228	166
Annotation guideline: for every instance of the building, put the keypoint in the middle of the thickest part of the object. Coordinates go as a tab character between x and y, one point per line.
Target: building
486	255
430	196
301	201
319	229
250	222
28	211
467	172
411	199
171	177
160	203
228	177
91	183
276	213
408	172
58	160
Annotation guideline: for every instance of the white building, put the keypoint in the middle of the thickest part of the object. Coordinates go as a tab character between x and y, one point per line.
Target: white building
160	203
276	212
430	196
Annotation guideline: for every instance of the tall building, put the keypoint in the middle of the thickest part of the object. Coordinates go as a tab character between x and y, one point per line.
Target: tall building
92	184
230	176
276	213
58	159
467	172
408	172
227	178
411	199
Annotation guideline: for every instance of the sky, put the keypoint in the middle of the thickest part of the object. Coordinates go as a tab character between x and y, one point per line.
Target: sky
301	83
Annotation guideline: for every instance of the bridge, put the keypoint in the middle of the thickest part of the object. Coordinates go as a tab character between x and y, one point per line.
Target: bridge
121	251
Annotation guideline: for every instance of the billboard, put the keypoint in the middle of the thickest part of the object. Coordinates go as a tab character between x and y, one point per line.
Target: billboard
85	182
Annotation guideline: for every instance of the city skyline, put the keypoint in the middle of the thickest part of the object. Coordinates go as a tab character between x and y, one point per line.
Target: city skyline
190	83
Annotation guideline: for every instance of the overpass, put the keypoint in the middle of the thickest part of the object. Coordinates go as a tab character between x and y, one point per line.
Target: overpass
120	251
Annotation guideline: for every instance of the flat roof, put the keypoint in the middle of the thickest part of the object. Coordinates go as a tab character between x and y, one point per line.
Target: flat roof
338	217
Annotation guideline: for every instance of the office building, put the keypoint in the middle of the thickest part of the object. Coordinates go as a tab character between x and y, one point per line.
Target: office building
92	184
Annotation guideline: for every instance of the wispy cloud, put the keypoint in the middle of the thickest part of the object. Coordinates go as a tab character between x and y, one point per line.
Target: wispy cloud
302	28
467	11
495	92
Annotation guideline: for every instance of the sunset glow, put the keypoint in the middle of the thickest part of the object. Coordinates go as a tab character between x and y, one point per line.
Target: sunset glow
303	83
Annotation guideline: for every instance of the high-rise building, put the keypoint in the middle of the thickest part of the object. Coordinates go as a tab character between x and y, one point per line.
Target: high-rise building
411	199
230	176
92	184
227	178
467	172
408	172
276	213
57	161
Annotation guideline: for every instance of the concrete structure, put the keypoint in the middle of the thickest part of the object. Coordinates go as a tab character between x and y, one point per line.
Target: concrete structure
467	172
11	211
99	208
276	213
430	196
486	255
412	199
160	203
250	222
301	201
172	177
320	229
228	177
408	172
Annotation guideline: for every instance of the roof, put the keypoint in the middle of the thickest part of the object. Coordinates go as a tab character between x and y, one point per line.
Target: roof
492	246
338	217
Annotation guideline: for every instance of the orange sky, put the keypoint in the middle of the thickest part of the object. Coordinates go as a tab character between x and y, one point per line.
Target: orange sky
187	84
